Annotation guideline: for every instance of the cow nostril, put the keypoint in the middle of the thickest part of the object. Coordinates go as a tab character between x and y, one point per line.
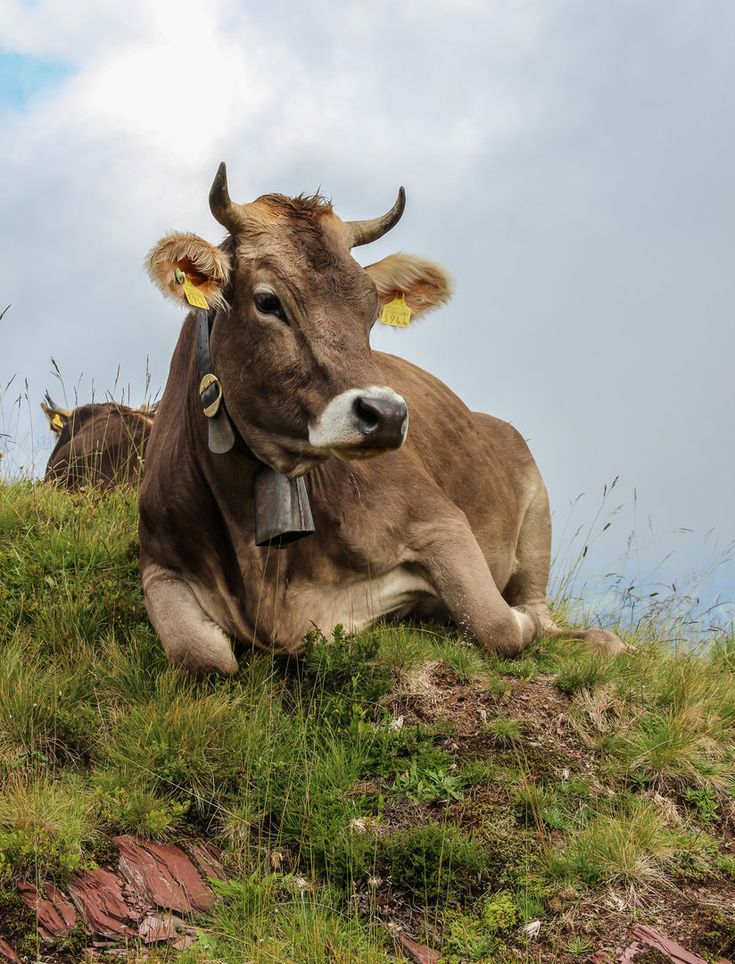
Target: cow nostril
367	413
382	419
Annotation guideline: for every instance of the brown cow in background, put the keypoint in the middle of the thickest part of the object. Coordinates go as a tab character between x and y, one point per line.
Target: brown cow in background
100	444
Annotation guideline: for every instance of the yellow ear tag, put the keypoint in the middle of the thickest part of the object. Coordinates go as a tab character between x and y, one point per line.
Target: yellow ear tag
57	423
396	313
193	295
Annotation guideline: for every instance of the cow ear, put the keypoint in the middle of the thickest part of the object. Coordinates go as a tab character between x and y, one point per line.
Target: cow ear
57	417
179	258
424	285
148	412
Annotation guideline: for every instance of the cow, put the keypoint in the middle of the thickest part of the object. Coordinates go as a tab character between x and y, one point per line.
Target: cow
99	444
419	505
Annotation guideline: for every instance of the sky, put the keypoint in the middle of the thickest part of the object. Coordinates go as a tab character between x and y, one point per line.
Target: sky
569	161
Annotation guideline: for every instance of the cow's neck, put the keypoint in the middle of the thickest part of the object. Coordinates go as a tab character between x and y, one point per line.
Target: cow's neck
282	510
218	513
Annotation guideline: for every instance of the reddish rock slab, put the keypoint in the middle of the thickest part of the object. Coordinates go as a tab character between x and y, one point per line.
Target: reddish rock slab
7	953
99	898
62	904
419	953
208	864
164	874
672	950
55	915
645	936
169	928
157	927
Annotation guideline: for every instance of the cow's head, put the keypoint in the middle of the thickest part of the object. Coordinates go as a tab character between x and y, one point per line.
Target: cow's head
291	339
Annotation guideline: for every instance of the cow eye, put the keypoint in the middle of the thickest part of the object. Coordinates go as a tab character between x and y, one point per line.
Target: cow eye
268	304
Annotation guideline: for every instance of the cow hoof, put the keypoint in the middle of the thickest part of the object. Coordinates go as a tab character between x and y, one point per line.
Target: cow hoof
604	641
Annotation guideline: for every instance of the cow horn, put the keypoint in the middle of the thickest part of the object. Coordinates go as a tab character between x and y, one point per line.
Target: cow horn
51	405
223	209
363	232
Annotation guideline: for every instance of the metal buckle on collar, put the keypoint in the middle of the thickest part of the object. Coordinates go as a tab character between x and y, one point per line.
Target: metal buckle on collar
211	404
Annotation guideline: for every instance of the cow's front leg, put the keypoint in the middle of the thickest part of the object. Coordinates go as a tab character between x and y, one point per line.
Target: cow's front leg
453	563
190	638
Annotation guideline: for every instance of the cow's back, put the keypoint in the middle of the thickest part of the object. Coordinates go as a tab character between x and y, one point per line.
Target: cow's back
104	450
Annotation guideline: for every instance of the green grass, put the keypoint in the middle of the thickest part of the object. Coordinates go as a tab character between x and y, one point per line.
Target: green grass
47	826
275	917
629	842
504	732
345	797
477	936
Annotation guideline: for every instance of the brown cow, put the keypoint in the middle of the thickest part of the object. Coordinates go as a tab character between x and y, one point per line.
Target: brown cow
452	520
97	444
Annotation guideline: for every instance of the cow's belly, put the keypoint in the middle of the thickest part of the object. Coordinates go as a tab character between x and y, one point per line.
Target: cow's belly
359	604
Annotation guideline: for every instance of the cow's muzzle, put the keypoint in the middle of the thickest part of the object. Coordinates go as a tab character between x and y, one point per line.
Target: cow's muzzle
361	422
382	420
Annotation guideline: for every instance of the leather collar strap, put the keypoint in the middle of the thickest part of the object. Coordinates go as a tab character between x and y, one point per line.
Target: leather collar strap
221	433
282	510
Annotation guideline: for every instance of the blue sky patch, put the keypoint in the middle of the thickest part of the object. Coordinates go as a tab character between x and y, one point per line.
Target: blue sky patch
22	77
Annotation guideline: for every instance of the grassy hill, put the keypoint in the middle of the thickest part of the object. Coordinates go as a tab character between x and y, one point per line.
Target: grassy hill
395	782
